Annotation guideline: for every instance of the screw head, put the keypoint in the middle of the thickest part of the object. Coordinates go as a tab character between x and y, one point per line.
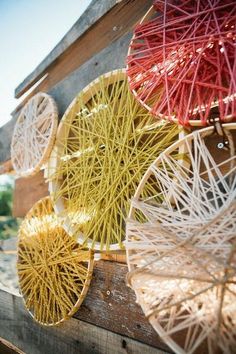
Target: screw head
220	145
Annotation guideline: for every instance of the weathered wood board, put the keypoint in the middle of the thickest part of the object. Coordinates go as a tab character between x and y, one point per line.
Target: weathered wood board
27	192
111	304
106	60
92	14
8	348
6	167
5	140
65	91
108	21
109	321
97	43
72	337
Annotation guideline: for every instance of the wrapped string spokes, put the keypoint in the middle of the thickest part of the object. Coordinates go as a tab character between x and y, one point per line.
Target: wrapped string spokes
182	64
181	246
34	135
54	271
106	141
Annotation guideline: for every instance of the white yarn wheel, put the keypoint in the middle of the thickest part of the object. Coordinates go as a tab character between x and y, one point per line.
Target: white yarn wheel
34	135
181	246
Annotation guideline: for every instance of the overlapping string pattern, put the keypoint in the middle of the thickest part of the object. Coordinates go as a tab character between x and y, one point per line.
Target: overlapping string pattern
181	248
182	63
34	134
105	143
54	271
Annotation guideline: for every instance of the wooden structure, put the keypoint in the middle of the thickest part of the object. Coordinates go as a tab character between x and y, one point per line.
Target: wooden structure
109	321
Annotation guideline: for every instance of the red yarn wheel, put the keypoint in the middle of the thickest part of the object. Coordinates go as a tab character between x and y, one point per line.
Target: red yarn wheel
181	64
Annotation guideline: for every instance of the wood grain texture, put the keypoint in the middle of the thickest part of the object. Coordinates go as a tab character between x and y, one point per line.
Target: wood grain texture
110	58
5	139
8	348
81	63
6	167
112	305
27	192
98	27
93	13
72	337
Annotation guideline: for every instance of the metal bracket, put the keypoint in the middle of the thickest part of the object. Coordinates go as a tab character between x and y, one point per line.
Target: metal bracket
219	130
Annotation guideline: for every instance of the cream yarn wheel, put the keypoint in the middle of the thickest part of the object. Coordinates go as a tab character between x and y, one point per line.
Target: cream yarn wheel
181	245
105	142
34	135
54	271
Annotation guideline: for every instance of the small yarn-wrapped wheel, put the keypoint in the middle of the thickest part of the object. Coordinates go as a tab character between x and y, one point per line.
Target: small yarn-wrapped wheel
181	61
181	244
105	142
54	271
34	135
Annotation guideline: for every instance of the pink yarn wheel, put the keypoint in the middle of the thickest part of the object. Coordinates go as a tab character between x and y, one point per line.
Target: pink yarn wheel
181	63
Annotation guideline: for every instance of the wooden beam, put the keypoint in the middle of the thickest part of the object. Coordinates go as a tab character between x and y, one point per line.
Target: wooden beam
113	25
8	348
71	72
92	14
27	192
111	304
108	59
5	140
6	167
72	337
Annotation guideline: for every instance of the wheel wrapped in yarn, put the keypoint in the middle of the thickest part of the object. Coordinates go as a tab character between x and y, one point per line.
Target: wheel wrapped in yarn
181	63
105	142
34	135
181	244
54	271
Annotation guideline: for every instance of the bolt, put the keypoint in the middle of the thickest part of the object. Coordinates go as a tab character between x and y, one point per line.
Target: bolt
220	145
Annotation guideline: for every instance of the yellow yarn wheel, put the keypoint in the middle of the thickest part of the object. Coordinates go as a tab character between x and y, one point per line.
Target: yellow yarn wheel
54	271
105	142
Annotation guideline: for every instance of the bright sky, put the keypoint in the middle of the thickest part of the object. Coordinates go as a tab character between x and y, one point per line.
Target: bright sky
29	29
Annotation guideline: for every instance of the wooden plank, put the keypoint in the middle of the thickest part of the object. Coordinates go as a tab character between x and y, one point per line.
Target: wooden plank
118	20
5	140
6	167
92	14
72	337
114	256
110	58
8	348
27	192
112	305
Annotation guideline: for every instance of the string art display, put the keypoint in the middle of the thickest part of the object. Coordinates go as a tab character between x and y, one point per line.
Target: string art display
181	63
34	135
181	244
54	271
105	142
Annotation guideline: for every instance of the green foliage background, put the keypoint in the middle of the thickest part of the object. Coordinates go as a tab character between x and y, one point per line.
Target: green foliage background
6	199
8	224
